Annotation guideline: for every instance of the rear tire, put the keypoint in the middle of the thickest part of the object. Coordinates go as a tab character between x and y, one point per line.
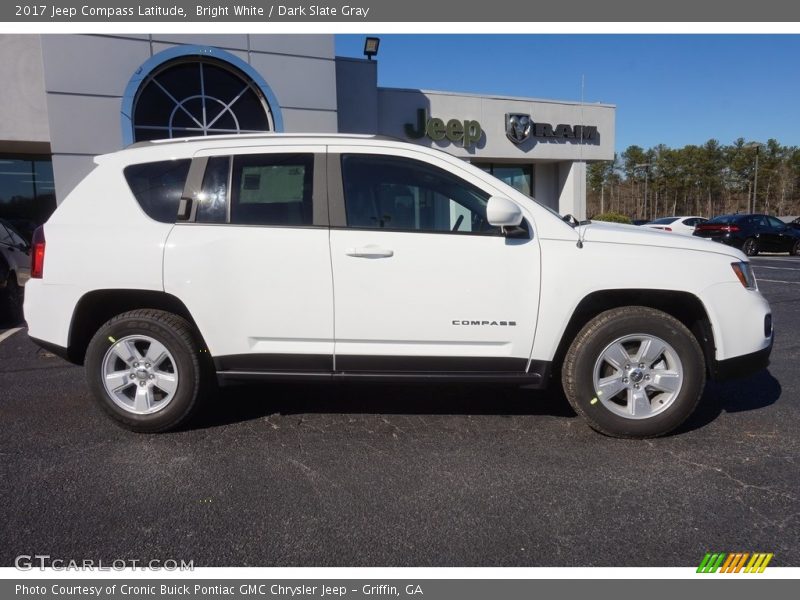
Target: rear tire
145	371
11	301
795	249
750	246
634	372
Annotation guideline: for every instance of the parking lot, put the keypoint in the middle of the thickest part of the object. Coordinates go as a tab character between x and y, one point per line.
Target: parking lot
370	475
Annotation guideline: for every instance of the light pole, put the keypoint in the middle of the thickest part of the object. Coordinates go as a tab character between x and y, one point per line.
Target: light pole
757	146
646	167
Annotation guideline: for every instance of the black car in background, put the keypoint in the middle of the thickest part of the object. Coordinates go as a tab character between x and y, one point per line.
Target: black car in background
752	233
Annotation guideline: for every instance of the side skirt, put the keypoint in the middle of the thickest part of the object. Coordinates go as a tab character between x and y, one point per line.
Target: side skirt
384	369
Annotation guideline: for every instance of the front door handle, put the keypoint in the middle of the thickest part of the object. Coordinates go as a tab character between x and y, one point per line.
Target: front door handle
370	251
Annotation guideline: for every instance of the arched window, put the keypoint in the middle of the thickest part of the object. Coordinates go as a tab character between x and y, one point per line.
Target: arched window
198	95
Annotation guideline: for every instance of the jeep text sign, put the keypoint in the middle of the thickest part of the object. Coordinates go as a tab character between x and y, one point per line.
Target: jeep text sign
466	132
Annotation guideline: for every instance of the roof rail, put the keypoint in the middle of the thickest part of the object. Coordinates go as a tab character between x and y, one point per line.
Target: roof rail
266	134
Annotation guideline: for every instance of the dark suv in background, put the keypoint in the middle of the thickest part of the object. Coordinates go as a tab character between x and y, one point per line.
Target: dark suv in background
752	233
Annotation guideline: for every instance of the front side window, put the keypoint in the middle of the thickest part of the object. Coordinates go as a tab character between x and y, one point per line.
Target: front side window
390	192
272	189
158	187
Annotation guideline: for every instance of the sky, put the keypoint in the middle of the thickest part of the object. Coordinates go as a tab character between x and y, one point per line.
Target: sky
668	89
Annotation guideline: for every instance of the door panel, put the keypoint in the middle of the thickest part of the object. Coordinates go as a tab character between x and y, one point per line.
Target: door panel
259	283
438	295
422	281
254	290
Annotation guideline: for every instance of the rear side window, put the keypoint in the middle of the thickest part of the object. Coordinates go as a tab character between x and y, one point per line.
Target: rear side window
212	206
272	189
158	187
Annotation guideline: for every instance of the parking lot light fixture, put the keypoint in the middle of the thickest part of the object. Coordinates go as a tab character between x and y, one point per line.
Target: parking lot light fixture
371	45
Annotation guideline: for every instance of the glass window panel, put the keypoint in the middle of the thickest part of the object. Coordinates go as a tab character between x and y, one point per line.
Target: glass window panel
213	199
272	189
388	192
27	196
517	176
199	97
158	187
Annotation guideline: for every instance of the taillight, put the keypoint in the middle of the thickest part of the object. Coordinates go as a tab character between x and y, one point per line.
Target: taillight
667	228
733	228
37	252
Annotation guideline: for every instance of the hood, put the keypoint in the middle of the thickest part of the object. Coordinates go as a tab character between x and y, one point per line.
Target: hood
616	233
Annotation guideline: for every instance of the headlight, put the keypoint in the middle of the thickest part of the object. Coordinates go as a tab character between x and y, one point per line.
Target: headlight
744	272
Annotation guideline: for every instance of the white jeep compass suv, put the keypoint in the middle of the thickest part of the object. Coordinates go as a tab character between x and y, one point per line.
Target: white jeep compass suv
355	257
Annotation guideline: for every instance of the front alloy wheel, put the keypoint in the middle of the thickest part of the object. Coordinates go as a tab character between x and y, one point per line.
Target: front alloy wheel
638	376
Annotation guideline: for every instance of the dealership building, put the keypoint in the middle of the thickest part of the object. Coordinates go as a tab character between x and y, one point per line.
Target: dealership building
67	98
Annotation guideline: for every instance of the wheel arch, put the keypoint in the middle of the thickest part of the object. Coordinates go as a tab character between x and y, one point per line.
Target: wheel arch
684	306
98	306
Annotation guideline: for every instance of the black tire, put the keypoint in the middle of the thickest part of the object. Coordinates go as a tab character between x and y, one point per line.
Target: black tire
11	301
179	339
599	334
750	246
795	249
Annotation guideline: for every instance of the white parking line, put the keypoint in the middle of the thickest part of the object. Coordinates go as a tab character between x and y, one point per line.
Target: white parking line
8	334
778	268
776	258
778	281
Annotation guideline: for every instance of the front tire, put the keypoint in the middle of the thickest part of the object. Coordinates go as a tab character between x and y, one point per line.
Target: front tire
144	370
634	372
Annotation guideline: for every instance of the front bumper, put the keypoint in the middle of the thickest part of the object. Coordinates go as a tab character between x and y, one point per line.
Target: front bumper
739	367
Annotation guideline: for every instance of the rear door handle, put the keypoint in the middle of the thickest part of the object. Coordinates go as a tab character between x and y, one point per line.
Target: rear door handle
370	251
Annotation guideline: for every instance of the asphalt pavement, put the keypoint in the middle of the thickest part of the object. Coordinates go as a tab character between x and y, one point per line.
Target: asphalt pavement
388	475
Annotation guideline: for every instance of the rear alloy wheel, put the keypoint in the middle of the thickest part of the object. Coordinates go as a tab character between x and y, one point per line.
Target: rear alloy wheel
795	249
750	246
144	370
634	372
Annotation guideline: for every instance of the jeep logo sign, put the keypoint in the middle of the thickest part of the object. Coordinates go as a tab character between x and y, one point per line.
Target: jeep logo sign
520	127
466	133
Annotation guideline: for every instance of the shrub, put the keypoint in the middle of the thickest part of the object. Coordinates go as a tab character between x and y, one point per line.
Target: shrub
612	217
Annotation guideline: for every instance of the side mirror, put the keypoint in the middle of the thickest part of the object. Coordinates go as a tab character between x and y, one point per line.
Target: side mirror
502	212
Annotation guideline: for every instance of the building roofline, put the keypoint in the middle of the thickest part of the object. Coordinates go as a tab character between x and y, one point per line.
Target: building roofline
496	97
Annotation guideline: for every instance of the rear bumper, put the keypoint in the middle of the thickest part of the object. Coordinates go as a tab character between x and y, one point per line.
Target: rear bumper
739	367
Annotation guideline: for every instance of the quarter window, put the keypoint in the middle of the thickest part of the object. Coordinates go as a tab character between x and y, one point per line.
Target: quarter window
390	192
158	187
272	189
